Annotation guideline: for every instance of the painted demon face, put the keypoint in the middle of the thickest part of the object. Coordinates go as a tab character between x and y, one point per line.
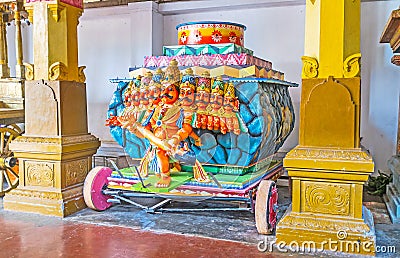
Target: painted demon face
135	98
154	96
186	96
170	94
202	98
216	100
231	103
144	97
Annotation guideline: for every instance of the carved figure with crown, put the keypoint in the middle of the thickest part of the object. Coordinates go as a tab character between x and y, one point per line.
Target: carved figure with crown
166	127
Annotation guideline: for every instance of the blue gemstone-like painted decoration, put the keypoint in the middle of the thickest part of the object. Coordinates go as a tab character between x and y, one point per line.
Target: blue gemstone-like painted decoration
220	155
245	113
158	123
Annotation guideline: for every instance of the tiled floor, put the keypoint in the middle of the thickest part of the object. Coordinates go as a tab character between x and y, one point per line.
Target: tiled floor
124	231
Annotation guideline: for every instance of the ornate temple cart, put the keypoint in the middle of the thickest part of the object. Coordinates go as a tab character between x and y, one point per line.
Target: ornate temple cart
11	93
237	108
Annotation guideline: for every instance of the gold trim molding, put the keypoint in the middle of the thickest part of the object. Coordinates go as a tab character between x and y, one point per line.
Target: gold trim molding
58	71
310	67
329	154
308	222
81	74
29	71
351	66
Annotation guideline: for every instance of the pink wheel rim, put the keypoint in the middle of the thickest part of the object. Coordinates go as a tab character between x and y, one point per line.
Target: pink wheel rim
273	201
94	184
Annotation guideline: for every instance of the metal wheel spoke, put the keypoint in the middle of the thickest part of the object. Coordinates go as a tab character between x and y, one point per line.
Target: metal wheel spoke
8	141
15	128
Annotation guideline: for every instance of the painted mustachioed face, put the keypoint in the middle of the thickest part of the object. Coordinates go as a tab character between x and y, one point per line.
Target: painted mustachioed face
202	98
186	96
170	94
154	96
216	100
135	98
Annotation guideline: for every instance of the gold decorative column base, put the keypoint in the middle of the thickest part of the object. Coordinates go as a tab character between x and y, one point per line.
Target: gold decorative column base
327	212
52	171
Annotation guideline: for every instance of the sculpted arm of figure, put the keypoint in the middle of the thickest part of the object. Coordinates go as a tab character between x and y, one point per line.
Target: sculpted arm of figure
196	138
133	128
181	135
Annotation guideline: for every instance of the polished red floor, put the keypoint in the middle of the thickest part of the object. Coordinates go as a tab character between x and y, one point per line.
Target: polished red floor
57	238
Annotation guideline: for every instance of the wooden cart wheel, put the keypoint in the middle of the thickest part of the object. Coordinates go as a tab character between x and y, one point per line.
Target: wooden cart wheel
266	207
8	164
16	128
95	182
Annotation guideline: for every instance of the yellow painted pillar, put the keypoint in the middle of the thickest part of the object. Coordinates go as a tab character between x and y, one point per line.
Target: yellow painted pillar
19	67
328	168
55	153
4	69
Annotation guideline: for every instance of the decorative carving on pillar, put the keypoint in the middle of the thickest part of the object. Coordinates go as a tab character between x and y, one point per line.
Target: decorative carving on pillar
76	171
310	67
30	14
56	151
35	194
327	198
329	154
58	72
81	74
351	66
29	71
308	222
328	168
39	173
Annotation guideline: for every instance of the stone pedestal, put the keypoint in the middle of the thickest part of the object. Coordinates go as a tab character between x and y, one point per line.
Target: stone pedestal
328	168
55	153
327	211
392	196
52	171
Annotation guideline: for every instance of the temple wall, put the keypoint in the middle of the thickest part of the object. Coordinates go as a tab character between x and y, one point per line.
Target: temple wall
112	39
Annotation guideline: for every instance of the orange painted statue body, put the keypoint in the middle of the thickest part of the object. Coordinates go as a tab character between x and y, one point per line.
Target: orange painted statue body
164	125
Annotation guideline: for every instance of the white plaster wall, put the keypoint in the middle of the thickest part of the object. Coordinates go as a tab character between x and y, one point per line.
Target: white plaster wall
109	43
380	81
26	33
105	49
